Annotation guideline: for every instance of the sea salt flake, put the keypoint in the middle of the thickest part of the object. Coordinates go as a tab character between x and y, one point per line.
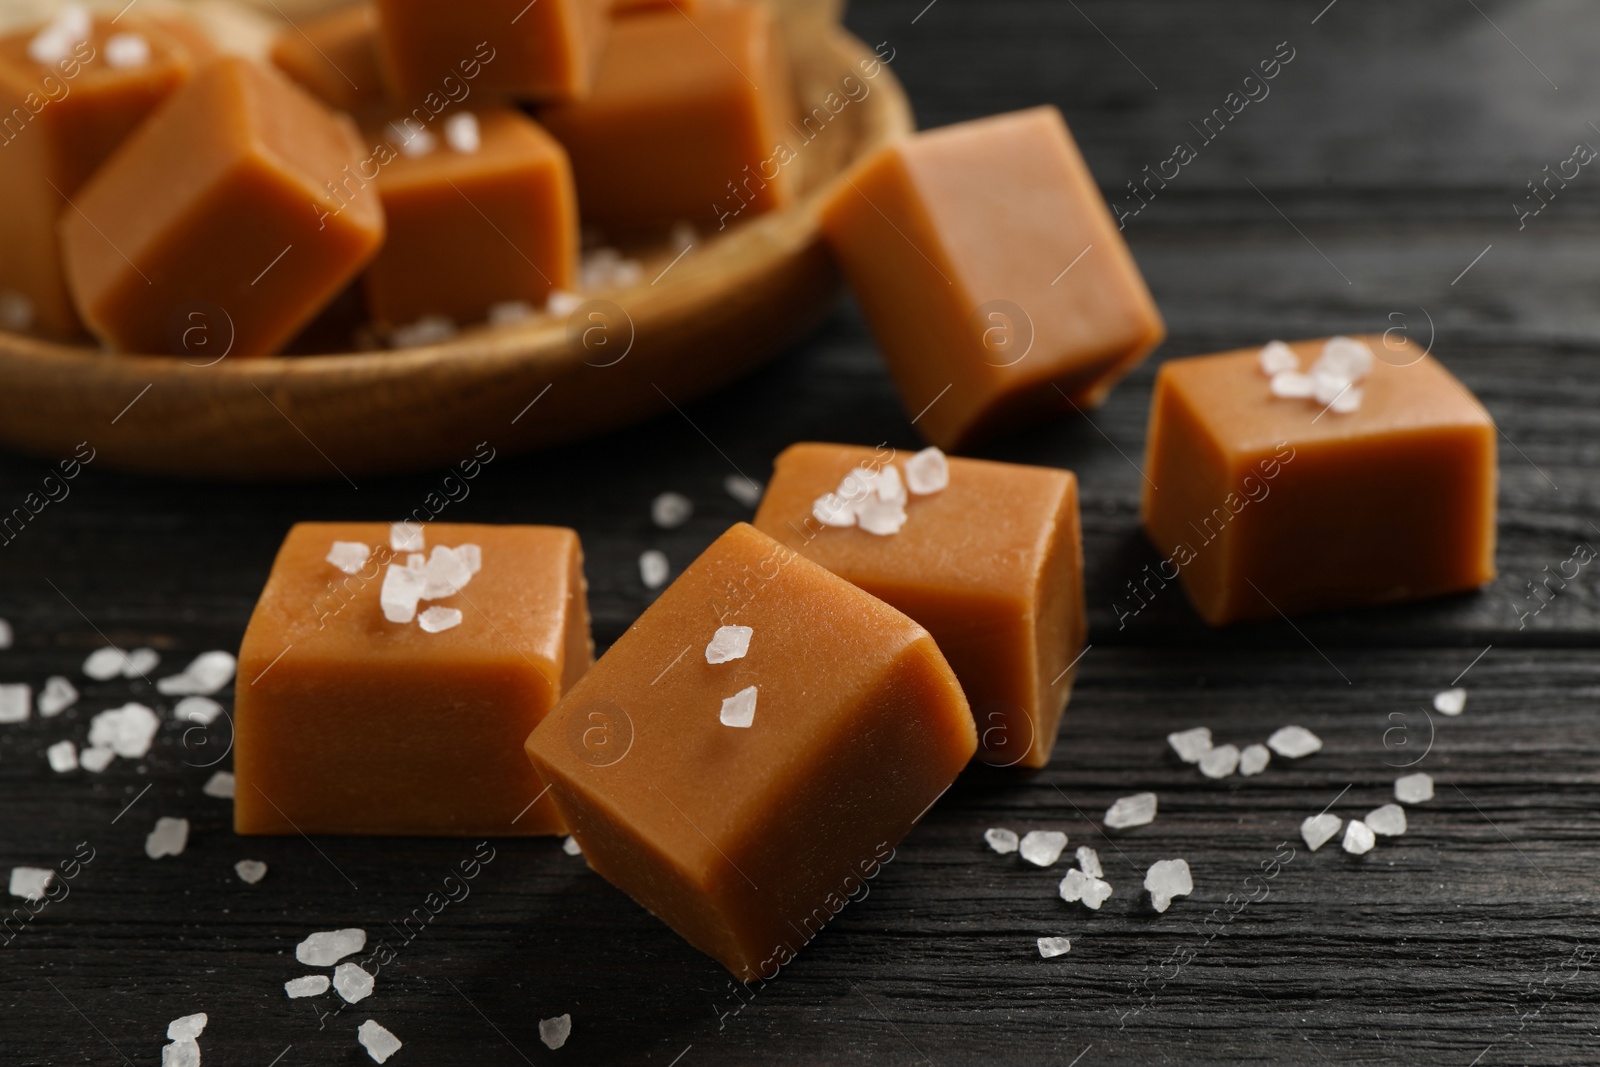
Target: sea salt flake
1050	947
378	1041
125	51
1292	385
96	758
1190	745
1220	761
462	133
1346	402
185	1053
57	696
201	710
728	643
1087	889
1136	810
927	472
1276	357
571	847
671	510
439	619
29	883
219	785
1413	788
1167	880
653	568
309	985
127	731
327	947
402	588
831	509
1254	759
16	703
352	983
405	536
416	560
1327	387
739	710
1346	357
349	556
250	872
447	574
1318	830
1388	820
1293	742
187	1028
63	757
1451	702
1001	840
1089	862
1042	847
207	674
742	489
881	517
169	838
554	1032
1358	838
104	664
471	555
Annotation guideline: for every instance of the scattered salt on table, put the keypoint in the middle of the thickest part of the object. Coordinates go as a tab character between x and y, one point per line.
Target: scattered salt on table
96	758
169	838
140	662
377	1040
1050	947
127	731
57	696
671	510
30	883
1042	847
1190	745
571	847
1358	838
1318	830
743	490
327	947
1254	759
104	664
219	785
1389	820
1167	880
250	871
729	643
1450	702
1080	886
739	710
352	983
1136	810
185	1053
187	1028
201	710
1220	762
1089	862
1413	788
63	757
16	703
1002	841
6	636
554	1032
310	985
209	672
1293	742
653	568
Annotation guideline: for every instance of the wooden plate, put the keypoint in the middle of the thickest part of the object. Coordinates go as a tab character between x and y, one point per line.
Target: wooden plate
731	302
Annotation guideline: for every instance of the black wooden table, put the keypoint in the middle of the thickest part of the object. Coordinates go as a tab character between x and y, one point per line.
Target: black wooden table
1382	183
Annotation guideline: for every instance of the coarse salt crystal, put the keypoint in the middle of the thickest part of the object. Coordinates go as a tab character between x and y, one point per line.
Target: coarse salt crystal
188	1028
309	985
1450	702
1167	880
1001	840
1042	847
1050	947
571	847
1089	862
125	51
1358	838
327	947
169	838
1293	742
377	1040
561	302
1318	830
405	536
250	871
1220	762
30	883
927	472
1327	387
1292	385
554	1032
1136	810
219	785
653	568
728	643
96	758
57	696
140	662
471	555
1347	357
462	133
416	560
1190	745
881	517
352	982
6	636
437	619
739	710
207	674
402	588
185	1053
1081	887
1276	357
128	731
743	490
349	556
1346	402
507	312
104	664
63	757
1254	759
670	510
16	703
1413	788
1387	820
202	710
831	509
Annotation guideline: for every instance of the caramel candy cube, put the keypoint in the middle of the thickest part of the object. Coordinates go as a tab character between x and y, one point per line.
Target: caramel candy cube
743	784
223	205
480	212
992	565
687	121
507	49
66	102
348	722
1266	504
334	57
991	273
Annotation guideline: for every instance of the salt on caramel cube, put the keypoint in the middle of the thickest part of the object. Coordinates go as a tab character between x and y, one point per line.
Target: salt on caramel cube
1262	504
348	723
991	273
481	213
991	565
221	205
505	49
688	121
66	103
745	820
334	57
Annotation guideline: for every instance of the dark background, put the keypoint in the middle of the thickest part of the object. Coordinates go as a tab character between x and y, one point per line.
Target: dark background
1390	154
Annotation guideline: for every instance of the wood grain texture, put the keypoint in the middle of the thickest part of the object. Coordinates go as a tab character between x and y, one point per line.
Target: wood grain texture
1470	939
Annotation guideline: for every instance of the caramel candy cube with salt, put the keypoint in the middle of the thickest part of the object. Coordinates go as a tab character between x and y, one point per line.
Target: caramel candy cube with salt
334	57
222	205
991	564
479	212
69	94
743	784
991	273
687	122
351	721
506	49
1264	505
